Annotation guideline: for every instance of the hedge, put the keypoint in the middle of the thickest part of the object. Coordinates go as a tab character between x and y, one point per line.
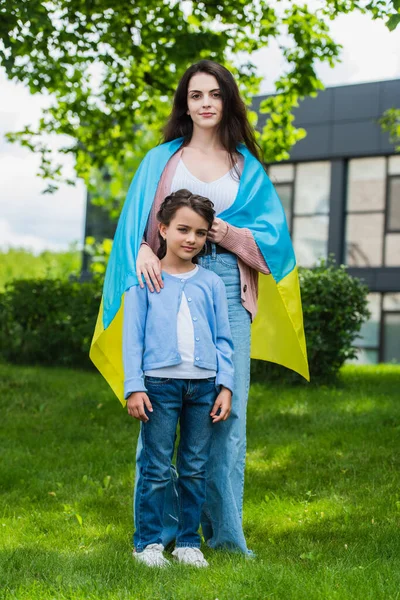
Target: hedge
51	322
48	321
334	308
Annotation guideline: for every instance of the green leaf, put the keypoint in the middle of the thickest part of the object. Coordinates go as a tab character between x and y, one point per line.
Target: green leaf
393	22
193	20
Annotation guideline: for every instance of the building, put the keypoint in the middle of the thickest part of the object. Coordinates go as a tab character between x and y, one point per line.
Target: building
341	193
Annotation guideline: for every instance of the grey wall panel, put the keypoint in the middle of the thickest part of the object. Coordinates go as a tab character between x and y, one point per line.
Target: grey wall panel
355	138
345	103
367	276
315	110
356	102
389	98
382	279
385	146
343	121
390	95
388	279
316	144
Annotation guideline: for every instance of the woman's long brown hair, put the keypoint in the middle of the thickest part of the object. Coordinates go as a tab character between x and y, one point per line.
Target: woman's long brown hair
234	126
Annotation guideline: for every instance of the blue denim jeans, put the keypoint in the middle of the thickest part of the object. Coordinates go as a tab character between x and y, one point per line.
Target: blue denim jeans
222	514
188	401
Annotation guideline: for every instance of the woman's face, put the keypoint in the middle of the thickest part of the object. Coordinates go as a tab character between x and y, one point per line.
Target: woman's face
204	101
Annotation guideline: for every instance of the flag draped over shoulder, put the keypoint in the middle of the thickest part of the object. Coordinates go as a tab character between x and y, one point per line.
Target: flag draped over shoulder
277	331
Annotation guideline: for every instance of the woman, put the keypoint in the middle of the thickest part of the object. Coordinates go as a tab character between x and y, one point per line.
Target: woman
210	149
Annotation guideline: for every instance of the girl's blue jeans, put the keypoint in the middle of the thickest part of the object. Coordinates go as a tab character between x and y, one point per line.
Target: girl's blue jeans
188	401
222	514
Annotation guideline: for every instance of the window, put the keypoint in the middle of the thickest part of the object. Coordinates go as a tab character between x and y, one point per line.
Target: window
364	233
312	188
311	212
285	193
394	165
392	241
373	212
366	188
310	237
391	328
392	250
379	339
304	191
282	176
394	204
365	212
368	339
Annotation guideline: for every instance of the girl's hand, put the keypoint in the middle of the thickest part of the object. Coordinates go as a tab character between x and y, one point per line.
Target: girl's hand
217	231
135	405
149	265
222	403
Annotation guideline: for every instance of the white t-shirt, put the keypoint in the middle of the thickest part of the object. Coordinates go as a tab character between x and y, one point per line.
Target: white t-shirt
185	331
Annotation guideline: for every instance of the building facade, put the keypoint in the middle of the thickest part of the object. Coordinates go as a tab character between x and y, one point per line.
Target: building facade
341	193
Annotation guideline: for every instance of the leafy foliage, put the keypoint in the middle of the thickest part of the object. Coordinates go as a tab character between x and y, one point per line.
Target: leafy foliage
99	253
51	322
334	307
112	67
19	263
48	321
390	122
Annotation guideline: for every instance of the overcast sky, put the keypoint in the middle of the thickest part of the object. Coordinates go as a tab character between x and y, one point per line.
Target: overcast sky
36	221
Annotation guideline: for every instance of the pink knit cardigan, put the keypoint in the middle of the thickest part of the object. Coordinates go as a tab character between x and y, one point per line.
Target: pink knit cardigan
238	240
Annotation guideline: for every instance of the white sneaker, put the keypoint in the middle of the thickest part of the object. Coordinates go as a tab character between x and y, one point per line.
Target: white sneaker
152	556
190	556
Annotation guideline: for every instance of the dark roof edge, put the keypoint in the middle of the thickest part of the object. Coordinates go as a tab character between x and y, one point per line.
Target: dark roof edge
338	87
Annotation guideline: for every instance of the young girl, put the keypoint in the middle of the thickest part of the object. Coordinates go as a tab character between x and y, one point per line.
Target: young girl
177	352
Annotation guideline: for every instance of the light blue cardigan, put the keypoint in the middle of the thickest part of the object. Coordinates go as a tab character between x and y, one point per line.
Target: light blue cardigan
150	328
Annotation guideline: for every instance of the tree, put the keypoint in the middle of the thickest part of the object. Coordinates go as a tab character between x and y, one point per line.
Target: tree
112	67
390	122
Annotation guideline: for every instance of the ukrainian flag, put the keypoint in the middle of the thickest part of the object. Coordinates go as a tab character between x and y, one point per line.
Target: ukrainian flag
277	331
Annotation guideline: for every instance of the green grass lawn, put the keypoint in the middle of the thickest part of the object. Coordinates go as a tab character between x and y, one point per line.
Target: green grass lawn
322	497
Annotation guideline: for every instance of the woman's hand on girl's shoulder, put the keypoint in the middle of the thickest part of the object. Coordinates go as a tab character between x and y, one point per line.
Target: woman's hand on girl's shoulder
135	406
149	265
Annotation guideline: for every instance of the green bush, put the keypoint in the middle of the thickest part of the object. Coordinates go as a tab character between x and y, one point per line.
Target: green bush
48	321
19	263
334	307
52	322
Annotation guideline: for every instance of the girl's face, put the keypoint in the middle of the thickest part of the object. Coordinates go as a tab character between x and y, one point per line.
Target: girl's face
186	234
204	101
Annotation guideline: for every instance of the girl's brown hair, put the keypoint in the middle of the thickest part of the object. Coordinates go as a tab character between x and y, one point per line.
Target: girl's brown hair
202	206
234	126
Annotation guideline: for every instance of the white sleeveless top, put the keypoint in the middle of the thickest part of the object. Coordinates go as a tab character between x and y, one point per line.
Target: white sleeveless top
222	192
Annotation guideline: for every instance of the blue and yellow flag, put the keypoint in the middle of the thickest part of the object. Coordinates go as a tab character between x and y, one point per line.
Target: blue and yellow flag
277	331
